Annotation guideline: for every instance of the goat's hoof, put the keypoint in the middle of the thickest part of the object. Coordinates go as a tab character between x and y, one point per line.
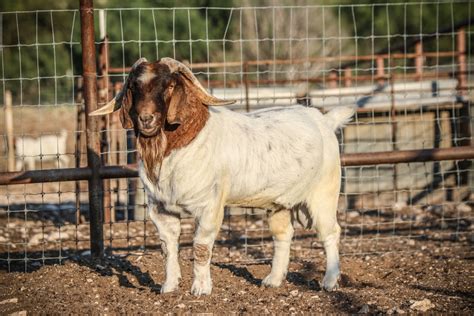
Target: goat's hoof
168	287
201	288
329	284
271	281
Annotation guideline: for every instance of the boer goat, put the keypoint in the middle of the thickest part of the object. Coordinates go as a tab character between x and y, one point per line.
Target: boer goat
195	158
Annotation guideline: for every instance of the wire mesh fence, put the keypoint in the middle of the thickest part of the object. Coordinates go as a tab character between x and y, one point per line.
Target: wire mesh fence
410	80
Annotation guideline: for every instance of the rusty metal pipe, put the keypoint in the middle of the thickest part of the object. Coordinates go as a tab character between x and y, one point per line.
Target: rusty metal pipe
96	207
347	160
405	156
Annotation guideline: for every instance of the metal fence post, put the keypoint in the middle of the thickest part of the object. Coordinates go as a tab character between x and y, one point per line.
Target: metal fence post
96	207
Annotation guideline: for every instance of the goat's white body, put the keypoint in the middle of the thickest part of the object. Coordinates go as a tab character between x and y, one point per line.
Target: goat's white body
43	148
269	159
276	159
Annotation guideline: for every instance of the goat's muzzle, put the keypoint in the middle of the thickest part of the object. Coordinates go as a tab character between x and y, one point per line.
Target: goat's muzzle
148	124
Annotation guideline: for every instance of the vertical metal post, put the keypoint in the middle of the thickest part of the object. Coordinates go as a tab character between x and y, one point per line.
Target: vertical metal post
380	70
348	77
96	208
419	60
464	115
461	43
104	96
7	102
79	145
246	83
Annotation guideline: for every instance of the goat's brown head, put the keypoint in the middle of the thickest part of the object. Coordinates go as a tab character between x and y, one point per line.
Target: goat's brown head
157	94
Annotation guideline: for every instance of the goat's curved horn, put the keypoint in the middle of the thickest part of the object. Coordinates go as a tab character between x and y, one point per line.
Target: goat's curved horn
116	103
204	96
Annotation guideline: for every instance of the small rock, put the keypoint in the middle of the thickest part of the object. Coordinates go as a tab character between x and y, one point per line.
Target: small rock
19	313
181	305
399	206
422	306
86	253
364	309
411	242
9	301
353	214
99	267
463	208
294	293
292	309
89	280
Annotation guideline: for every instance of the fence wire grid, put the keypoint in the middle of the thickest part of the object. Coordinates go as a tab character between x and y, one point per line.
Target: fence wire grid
410	82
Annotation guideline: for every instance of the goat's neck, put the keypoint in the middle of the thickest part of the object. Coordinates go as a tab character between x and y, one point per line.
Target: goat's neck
153	150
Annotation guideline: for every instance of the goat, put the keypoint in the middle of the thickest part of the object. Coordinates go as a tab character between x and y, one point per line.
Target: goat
42	148
196	158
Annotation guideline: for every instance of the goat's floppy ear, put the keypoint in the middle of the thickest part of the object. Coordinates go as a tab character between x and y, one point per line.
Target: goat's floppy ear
176	100
125	118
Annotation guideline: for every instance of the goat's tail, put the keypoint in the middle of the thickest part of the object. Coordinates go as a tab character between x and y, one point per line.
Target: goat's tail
339	116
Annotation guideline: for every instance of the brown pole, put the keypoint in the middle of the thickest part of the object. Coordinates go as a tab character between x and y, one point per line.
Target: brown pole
96	207
246	83
380	70
464	113
348	77
104	96
419	60
347	160
9	127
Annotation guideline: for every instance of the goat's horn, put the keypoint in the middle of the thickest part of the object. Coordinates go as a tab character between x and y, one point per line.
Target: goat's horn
205	97
116	103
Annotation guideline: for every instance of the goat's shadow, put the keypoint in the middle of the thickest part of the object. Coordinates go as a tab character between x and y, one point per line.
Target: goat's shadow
120	267
240	272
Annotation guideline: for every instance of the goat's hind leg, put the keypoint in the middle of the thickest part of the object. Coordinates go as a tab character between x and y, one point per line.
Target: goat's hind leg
329	232
169	228
282	231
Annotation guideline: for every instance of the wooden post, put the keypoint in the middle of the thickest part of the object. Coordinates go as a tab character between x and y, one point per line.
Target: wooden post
348	77
462	70
419	61
380	70
464	113
246	85
332	80
7	101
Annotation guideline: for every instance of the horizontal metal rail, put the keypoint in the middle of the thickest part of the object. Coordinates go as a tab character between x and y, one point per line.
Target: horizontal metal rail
347	160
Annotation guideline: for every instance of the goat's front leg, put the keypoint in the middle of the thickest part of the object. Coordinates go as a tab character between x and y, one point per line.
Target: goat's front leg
169	228
207	227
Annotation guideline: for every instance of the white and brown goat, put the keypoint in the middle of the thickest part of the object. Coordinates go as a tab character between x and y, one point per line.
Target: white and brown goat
197	158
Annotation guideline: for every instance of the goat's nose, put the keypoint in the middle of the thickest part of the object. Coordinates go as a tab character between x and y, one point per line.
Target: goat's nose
146	118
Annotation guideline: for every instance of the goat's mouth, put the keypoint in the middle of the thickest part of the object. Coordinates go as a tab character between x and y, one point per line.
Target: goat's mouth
150	132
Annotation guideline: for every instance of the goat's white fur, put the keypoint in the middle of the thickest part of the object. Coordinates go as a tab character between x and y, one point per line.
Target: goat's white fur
43	148
280	159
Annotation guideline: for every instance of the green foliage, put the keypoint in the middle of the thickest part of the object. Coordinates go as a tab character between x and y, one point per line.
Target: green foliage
41	55
392	22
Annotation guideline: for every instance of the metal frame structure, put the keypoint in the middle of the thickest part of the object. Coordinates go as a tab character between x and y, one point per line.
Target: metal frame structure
95	173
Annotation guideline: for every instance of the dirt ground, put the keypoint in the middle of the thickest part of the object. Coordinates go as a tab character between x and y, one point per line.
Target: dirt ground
428	276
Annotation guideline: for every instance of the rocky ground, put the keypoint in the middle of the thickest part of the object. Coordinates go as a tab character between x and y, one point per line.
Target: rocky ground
438	278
